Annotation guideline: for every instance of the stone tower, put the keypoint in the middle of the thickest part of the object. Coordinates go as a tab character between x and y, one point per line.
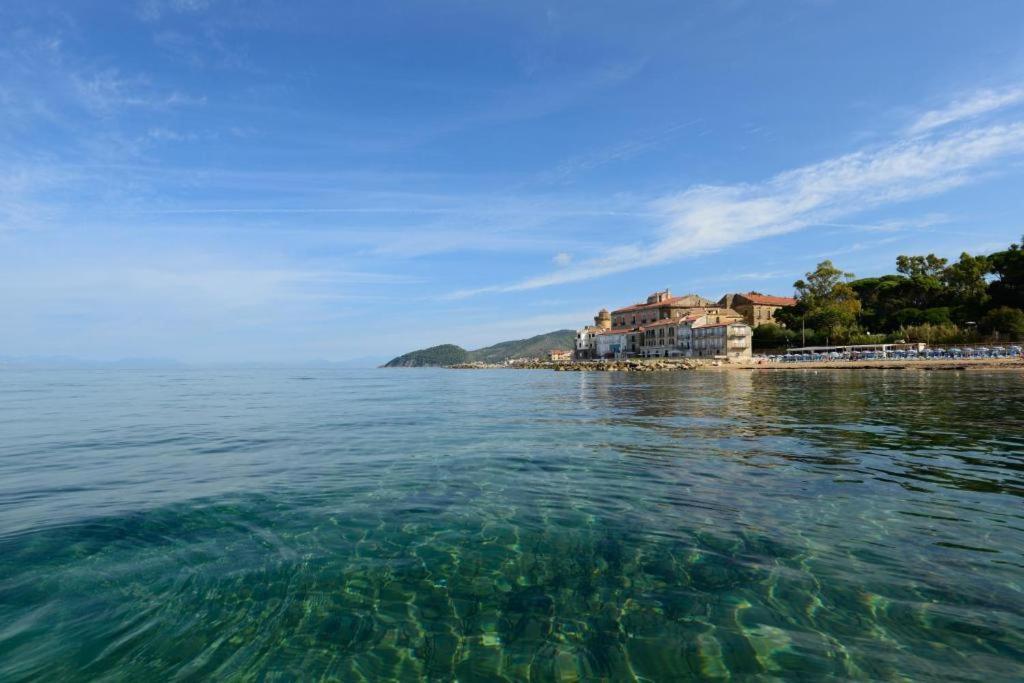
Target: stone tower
603	319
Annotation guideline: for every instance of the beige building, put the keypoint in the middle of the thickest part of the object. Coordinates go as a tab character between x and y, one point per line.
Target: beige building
697	335
756	308
659	306
733	340
559	355
665	326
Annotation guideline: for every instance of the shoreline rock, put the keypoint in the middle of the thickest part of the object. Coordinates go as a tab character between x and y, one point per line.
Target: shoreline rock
675	365
629	365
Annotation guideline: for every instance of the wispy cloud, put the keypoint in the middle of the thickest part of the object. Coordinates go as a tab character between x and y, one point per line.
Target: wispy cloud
108	90
153	10
45	79
619	152
977	104
925	222
706	218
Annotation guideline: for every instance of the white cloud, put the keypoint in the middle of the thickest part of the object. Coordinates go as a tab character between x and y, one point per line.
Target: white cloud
705	218
108	91
562	258
925	222
981	102
153	10
161	134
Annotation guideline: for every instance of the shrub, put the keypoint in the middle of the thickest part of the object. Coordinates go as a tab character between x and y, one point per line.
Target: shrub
769	336
1006	321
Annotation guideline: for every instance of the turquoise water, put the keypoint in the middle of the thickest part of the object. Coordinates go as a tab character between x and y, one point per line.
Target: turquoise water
502	525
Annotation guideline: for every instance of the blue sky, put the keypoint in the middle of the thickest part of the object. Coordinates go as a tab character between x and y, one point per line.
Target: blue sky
235	180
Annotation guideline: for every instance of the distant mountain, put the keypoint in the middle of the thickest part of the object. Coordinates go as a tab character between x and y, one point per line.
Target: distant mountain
534	347
445	354
450	354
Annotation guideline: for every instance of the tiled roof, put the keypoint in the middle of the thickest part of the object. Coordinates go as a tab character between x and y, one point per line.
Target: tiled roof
767	300
733	322
674	301
660	323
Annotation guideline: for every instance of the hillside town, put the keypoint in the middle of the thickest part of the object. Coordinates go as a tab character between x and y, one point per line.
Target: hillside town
667	326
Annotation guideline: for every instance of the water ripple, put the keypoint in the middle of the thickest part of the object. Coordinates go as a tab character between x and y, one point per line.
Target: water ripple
432	525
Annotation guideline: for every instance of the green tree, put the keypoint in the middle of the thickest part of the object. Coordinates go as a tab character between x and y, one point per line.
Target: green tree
965	279
831	304
880	298
1004	320
1008	266
922	286
770	336
921	266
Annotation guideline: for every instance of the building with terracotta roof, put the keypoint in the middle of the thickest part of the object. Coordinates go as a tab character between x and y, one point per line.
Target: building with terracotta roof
659	306
756	308
662	327
705	333
732	340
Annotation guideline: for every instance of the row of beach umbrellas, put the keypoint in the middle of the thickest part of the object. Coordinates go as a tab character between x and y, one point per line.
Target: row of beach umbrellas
951	353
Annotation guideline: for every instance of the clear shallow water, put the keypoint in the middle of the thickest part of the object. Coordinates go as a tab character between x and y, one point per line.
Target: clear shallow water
481	526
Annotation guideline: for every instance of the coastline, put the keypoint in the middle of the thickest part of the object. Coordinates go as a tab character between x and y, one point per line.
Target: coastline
672	365
894	364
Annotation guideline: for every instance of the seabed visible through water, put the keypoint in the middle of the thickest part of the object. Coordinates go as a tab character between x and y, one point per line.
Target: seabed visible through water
435	525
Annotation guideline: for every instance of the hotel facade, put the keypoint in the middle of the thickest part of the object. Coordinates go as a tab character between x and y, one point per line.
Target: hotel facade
667	326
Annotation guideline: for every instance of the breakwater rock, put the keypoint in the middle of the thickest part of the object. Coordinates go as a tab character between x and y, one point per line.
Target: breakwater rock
631	365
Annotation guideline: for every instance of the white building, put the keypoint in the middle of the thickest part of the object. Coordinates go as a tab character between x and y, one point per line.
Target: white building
586	338
610	344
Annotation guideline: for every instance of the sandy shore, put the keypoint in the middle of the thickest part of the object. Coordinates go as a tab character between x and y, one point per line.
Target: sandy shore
951	364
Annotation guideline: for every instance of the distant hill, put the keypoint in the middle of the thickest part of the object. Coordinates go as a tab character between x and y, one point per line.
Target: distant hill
534	347
445	354
450	354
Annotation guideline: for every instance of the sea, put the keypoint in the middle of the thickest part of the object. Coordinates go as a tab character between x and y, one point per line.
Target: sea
503	525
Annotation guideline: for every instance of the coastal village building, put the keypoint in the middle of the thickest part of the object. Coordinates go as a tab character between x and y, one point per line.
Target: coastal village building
730	340
667	326
586	338
659	306
756	308
559	355
610	344
705	333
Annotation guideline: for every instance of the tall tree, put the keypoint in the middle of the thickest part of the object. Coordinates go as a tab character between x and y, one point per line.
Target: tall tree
966	286
1008	267
921	266
965	279
923	287
830	302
